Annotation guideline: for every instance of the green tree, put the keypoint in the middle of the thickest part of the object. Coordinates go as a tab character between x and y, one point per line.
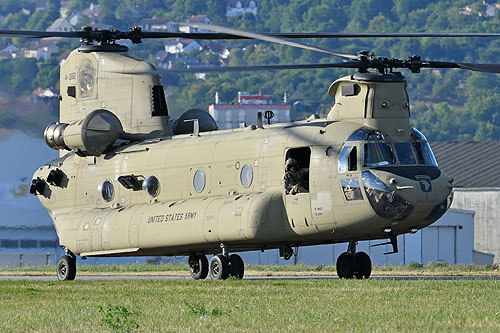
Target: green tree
48	74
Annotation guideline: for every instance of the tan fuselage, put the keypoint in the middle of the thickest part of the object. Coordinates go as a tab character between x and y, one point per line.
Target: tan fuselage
182	221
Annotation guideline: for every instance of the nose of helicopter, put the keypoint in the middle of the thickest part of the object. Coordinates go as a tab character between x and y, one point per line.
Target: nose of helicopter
418	195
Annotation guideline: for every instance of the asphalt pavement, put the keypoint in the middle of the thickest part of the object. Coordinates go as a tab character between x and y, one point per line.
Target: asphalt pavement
277	277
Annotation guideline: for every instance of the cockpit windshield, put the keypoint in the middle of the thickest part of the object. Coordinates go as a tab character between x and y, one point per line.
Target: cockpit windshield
377	154
377	149
405	153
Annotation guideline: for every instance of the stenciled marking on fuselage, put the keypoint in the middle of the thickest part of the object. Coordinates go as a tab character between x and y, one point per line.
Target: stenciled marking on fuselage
171	217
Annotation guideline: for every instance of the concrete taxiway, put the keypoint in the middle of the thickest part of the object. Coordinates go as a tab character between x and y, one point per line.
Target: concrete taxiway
277	277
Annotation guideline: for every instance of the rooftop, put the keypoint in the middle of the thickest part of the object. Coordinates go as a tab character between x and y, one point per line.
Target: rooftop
470	164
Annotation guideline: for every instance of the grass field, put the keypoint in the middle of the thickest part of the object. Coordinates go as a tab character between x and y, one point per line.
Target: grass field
234	305
301	269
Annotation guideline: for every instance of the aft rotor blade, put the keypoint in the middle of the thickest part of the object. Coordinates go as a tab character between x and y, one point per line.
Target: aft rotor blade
380	35
486	68
269	38
200	69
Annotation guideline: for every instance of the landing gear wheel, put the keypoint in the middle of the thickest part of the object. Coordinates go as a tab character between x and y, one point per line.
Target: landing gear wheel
345	266
198	266
363	265
219	267
237	266
66	268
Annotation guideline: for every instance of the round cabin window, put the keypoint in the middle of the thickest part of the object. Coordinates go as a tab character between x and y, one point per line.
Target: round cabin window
151	185
246	175
199	180
106	190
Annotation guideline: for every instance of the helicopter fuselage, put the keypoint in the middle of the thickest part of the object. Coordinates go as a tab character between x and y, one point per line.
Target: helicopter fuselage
227	187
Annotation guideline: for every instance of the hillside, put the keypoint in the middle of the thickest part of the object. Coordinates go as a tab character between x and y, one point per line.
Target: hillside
446	104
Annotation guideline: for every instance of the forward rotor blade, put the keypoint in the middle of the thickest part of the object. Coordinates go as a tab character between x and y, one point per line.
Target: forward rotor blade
42	34
232	35
486	68
201	69
268	38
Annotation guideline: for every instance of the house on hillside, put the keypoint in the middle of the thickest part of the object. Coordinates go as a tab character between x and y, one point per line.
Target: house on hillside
182	46
76	20
241	7
158	24
476	178
61	24
196	19
41	50
10	52
44	95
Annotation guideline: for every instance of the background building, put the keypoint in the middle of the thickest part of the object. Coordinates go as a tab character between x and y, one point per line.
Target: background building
475	169
245	112
449	240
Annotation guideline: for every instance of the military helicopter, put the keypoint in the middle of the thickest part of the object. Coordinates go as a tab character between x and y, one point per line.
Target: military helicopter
131	182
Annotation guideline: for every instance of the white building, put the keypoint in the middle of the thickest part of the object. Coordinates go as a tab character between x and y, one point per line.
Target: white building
41	50
27	235
181	46
61	24
245	112
158	24
241	7
196	19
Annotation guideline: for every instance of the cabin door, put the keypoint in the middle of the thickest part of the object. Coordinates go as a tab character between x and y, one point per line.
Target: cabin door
296	189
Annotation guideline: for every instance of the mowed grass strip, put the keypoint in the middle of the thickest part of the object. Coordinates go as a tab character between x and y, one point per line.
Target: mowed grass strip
234	305
256	270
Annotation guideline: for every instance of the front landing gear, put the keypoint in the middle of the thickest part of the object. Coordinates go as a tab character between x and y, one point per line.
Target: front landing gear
354	264
66	268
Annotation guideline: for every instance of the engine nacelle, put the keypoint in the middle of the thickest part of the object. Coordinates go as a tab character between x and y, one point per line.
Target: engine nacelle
89	136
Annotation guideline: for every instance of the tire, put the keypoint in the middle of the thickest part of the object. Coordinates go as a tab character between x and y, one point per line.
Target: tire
198	266
363	266
237	266
345	266
219	267
66	268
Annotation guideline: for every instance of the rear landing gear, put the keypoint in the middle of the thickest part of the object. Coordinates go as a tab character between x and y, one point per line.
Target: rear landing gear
198	266
223	266
66	268
354	264
220	267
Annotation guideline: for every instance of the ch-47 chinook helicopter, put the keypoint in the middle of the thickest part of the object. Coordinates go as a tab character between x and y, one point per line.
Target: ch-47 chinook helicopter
129	182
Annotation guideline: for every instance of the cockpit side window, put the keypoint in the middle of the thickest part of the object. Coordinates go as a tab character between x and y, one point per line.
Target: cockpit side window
352	161
423	149
348	159
424	153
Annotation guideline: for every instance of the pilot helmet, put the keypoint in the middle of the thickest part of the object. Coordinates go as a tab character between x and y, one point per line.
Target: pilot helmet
291	162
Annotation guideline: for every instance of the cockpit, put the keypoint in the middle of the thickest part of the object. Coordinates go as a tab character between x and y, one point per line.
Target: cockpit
378	150
370	152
